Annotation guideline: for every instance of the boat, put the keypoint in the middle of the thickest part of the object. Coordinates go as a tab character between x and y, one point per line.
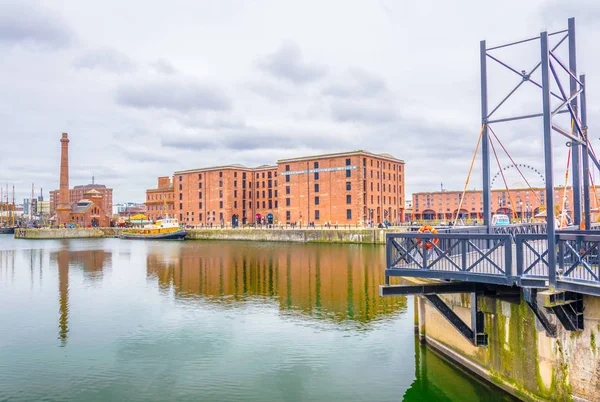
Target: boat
164	229
7	230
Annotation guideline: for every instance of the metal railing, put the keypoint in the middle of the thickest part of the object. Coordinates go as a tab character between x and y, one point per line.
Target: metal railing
577	261
474	257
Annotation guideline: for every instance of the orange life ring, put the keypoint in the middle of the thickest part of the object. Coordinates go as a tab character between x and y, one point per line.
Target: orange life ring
427	229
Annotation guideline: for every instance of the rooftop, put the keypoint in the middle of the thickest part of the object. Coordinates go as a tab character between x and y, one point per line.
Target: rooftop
342	154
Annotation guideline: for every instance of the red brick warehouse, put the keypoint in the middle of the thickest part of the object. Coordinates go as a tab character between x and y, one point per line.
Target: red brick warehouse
345	188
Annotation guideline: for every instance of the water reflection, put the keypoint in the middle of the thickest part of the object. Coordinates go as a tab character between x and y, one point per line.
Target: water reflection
337	282
438	380
91	262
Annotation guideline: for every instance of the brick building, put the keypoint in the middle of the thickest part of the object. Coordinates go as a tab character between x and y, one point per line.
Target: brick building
350	187
344	188
520	203
157	198
77	193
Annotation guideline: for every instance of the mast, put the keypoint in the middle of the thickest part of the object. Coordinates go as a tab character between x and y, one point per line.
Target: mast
13	207
1	207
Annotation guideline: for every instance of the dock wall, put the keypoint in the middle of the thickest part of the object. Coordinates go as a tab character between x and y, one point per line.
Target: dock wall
520	357
349	236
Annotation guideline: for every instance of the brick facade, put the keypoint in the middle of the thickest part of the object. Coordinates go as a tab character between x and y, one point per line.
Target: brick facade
344	188
157	198
516	203
77	193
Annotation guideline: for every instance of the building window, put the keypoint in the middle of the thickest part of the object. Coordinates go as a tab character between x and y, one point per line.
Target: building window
199	176
180	178
200	217
287	189
316	187
250	205
180	206
348	162
287	178
234	193
180	196
275	193
263	175
220	174
348	186
200	195
199	185
348	214
287	202
220	204
244	175
316	165
287	215
270	204
263	194
199	205
316	175
180	187
316	200
220	193
317	215
220	183
276	206
364	161
235	183
348	199
235	204
264	205
287	168
181	217
221	216
269	175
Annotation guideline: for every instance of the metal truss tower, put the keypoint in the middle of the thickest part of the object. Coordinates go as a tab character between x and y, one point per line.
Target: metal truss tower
571	101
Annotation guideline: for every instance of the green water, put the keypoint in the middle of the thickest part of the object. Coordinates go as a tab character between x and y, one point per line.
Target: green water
116	320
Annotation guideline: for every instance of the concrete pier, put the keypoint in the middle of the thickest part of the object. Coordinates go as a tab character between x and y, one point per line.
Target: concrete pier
520	357
347	236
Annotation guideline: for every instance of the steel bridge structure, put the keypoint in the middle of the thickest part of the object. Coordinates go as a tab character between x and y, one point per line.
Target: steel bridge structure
550	269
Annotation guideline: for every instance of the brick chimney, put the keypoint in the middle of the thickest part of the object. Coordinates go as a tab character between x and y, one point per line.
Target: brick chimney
63	209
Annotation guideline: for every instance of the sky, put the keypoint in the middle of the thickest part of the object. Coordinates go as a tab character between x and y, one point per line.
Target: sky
146	88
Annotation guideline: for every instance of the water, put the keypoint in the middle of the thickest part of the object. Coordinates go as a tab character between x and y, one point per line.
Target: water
116	320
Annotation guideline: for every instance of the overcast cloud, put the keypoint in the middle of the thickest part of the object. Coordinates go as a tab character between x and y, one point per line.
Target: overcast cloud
148	88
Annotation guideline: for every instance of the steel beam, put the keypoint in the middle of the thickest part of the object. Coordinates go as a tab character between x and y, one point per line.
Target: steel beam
485	149
530	297
586	158
477	338
576	149
548	159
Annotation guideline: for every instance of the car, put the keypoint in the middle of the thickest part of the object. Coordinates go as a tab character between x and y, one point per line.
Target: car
500	220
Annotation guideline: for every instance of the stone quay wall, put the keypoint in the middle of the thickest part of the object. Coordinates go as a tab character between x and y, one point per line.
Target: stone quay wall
520	357
350	236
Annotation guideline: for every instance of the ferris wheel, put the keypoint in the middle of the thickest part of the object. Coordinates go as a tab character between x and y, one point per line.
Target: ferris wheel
518	175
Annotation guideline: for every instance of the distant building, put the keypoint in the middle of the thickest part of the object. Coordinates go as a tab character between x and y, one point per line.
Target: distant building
129	208
520	203
77	193
160	197
82	205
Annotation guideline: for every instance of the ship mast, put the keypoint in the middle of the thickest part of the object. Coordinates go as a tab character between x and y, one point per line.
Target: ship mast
13	207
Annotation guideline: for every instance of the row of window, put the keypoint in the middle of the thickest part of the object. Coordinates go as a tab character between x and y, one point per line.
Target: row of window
265	204
317	215
318	201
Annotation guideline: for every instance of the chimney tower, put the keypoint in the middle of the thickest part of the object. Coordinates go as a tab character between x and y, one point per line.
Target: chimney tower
63	209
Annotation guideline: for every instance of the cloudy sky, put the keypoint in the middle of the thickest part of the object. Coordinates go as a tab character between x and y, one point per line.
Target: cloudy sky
147	88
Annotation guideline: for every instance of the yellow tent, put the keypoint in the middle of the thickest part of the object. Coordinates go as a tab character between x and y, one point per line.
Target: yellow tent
138	217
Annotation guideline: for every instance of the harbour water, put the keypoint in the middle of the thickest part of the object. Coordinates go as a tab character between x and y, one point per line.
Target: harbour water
117	320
